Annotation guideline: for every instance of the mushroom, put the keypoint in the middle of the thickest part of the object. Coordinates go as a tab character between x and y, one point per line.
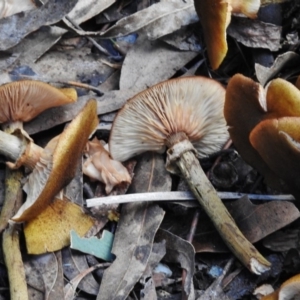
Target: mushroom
21	101
263	124
100	166
215	16
289	290
55	165
185	115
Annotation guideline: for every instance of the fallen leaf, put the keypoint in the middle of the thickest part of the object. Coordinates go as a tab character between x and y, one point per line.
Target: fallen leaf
250	218
14	28
70	288
183	39
15	6
138	74
132	247
282	240
287	59
111	101
157	20
75	263
255	34
49	268
100	248
180	251
150	174
50	230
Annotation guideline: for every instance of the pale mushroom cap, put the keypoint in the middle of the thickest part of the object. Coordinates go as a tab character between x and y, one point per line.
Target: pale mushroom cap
24	100
247	7
193	105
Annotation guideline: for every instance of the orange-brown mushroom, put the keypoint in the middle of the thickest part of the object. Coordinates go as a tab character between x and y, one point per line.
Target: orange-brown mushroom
215	16
100	166
21	101
185	115
57	164
263	126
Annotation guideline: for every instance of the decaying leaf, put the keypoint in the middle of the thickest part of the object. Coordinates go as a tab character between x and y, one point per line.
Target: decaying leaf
111	101
8	8
50	230
16	27
82	12
75	263
100	166
150	174
157	20
180	251
132	247
286	59
250	218
49	268
255	34
70	288
138	74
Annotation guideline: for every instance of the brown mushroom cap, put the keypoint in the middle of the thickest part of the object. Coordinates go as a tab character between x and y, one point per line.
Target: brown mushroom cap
253	115
56	168
276	142
192	105
214	16
24	100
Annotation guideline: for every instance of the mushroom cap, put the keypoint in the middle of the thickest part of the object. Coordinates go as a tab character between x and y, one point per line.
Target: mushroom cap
277	142
253	116
100	166
57	167
215	16
192	105
247	7
23	100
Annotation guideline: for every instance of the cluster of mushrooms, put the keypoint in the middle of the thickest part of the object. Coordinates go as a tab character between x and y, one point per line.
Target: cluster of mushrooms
184	115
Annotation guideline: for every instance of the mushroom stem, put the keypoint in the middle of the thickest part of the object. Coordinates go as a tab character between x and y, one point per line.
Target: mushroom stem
19	150
181	152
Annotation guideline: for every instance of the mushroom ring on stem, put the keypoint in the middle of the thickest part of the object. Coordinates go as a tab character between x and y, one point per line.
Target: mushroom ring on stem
185	115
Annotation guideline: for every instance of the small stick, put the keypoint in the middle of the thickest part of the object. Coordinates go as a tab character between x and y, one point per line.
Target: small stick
179	196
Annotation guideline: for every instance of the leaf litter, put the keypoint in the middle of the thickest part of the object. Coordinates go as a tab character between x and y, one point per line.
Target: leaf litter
151	41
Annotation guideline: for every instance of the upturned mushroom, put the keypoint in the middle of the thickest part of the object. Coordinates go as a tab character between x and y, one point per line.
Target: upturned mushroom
54	166
263	125
215	16
21	101
100	166
186	116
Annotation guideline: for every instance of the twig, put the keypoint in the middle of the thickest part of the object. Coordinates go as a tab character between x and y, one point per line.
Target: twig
179	196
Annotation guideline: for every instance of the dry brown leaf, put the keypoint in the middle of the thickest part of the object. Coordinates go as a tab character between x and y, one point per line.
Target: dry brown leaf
250	218
255	34
132	247
138	74
16	27
157	20
50	230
